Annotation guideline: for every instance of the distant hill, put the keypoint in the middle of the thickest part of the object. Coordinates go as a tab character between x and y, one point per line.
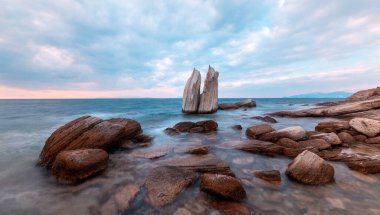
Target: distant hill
322	95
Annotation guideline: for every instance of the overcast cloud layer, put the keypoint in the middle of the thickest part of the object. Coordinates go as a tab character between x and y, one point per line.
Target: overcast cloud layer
137	48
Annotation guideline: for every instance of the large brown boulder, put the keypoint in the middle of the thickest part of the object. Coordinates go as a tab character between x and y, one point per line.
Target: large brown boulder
309	168
288	143
293	132
165	183
368	127
320	144
85	133
257	130
223	186
209	97
196	127
332	126
331	138
191	93
346	137
77	165
208	125
184	126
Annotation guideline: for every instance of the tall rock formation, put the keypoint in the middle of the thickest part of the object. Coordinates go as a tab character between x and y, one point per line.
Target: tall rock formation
191	96
209	97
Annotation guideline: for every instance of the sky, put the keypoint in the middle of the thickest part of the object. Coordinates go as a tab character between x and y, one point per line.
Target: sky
144	48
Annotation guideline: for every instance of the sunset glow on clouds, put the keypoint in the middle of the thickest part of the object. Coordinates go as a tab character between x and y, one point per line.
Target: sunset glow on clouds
138	48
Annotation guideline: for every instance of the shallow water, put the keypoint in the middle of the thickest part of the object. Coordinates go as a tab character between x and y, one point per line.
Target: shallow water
27	189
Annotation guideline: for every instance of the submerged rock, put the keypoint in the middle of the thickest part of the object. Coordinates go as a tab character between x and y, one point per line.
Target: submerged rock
77	165
196	150
121	201
223	186
248	103
265	119
368	127
237	127
201	163
268	175
165	183
196	127
309	168
209	97
191	93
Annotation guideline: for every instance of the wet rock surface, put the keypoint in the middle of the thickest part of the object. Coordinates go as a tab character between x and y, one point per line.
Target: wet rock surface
330	138
309	168
223	186
265	119
77	165
268	175
165	183
368	127
257	130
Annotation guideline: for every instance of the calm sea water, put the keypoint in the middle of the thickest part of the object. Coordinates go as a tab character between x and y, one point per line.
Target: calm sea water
27	189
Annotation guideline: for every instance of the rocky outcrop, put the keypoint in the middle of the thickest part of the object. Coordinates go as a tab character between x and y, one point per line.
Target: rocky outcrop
165	183
77	165
331	111
194	127
223	186
368	127
362	95
209	97
207	102
247	103
191	93
309	168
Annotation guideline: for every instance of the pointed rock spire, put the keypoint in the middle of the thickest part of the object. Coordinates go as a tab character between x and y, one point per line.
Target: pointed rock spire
209	97
191	96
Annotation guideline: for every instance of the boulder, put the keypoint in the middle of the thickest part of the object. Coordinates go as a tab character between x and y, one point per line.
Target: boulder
268	175
191	93
201	163
294	133
288	143
368	127
365	166
265	119
373	140
223	186
184	126
257	130
208	125
142	138
320	144
171	131
346	137
164	183
87	132
332	126
309	168
331	138
360	138
209	97
77	165
195	127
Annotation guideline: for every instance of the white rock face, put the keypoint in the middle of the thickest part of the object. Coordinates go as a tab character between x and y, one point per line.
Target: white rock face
368	127
293	132
209	97
191	93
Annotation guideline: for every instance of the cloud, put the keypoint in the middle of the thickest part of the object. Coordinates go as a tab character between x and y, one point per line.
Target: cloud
133	48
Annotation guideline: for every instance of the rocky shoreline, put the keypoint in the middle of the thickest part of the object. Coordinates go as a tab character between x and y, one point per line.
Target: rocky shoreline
81	149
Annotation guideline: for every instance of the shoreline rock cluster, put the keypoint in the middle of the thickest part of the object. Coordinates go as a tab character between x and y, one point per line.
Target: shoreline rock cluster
203	103
78	150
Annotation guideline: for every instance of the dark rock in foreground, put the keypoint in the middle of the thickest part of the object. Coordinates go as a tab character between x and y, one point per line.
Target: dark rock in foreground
309	168
223	186
77	165
165	183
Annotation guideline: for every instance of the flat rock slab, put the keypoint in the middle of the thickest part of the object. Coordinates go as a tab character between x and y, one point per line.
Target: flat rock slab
165	183
77	165
346	108
201	163
223	186
309	168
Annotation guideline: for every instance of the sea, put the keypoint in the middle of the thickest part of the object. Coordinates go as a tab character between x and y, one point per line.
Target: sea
28	189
